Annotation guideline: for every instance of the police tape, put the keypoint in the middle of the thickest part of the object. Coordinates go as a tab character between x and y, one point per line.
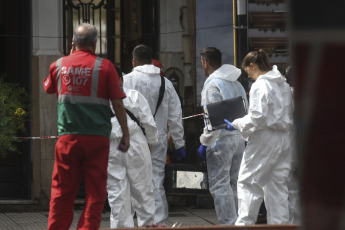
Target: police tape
196	115
38	138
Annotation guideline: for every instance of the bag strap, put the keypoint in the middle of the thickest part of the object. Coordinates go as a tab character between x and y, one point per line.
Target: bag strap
161	94
131	115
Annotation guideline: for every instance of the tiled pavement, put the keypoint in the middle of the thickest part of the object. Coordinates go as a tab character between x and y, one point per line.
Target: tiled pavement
38	220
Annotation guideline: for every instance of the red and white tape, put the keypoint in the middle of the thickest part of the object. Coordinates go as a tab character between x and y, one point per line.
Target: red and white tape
39	138
196	115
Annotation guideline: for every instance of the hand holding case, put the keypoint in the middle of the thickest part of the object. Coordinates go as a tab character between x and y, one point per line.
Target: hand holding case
230	109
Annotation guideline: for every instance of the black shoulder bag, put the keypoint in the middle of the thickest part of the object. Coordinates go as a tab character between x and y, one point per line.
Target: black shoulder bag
161	94
131	115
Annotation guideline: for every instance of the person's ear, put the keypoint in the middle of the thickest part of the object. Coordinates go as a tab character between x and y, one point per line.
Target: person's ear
204	64
251	66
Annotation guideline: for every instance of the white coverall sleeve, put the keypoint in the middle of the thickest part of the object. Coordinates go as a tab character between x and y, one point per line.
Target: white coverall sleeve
116	132
209	138
146	119
258	111
212	95
174	116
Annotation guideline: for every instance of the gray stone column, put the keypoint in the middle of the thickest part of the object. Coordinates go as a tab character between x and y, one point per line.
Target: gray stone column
47	18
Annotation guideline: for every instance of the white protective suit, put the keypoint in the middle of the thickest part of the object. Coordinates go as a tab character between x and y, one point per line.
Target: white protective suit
225	149
146	79
266	161
130	173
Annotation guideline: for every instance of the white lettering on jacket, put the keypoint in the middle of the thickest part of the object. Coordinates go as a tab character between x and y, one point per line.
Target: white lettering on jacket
75	75
86	72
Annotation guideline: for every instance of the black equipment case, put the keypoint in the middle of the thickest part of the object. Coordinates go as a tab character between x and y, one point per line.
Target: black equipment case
230	109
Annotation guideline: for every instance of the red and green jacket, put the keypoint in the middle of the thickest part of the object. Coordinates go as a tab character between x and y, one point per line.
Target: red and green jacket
84	84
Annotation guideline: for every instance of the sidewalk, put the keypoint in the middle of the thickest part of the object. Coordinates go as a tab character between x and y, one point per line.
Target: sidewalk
38	220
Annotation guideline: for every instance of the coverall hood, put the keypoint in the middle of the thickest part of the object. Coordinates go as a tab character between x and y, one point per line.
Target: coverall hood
226	72
148	69
273	75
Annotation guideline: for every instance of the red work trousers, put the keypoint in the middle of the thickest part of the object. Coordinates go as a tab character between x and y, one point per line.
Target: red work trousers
77	157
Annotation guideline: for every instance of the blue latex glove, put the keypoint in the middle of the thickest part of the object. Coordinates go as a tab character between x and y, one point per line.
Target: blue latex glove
229	125
202	152
180	154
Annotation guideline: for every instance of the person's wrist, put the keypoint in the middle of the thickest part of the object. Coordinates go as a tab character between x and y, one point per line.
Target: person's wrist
125	132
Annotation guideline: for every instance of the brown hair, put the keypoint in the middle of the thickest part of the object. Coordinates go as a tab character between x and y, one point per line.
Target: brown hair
212	55
259	58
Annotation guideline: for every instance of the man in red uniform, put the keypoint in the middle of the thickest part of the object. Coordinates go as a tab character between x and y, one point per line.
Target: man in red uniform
84	84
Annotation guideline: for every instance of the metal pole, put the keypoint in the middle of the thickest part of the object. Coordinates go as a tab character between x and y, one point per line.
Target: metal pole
241	26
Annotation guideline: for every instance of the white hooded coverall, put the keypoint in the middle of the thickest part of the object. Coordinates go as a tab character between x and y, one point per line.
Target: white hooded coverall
130	173
225	149
266	161
146	79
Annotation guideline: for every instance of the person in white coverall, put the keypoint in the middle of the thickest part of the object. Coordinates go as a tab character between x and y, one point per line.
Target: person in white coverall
266	161
129	182
223	149
146	78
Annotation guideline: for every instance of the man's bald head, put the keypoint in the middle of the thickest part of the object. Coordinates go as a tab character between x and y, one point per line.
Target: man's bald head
85	37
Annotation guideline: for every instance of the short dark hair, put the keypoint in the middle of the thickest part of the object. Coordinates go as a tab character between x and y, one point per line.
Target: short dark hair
212	55
85	35
142	54
259	58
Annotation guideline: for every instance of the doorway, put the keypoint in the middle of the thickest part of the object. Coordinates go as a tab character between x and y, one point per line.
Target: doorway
139	25
122	24
15	67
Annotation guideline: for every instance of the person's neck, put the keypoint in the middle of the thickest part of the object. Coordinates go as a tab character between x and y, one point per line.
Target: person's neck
259	73
86	50
139	64
211	71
